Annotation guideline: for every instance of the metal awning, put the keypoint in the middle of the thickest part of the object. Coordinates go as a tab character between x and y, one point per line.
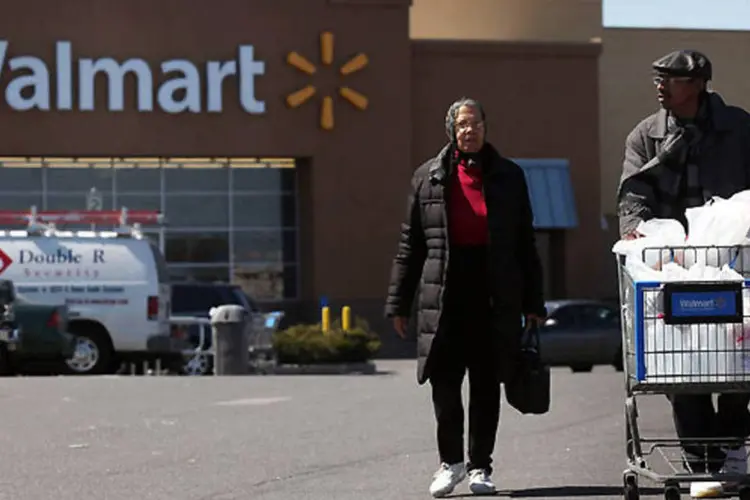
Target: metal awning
551	192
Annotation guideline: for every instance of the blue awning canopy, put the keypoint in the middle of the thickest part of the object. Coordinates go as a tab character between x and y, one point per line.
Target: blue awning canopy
551	192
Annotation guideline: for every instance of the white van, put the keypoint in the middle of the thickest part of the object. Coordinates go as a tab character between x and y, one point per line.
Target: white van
116	288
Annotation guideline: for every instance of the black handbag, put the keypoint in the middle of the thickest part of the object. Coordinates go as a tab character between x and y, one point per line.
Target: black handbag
528	389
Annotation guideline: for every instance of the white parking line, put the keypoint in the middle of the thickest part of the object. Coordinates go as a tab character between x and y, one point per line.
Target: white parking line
252	401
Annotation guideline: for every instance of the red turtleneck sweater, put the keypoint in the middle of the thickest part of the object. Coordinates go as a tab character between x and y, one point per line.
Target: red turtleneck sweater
467	211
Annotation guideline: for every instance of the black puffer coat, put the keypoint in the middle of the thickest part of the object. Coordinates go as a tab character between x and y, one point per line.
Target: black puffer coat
421	263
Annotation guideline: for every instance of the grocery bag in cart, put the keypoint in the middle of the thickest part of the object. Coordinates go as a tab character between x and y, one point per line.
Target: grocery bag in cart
685	297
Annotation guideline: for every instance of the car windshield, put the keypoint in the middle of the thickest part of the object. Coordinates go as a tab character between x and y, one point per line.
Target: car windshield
201	298
235	296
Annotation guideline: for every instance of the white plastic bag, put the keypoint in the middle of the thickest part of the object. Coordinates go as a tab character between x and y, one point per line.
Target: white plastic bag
724	223
721	223
700	352
657	234
741	196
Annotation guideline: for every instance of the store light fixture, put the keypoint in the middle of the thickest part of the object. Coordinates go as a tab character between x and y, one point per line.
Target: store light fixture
140	162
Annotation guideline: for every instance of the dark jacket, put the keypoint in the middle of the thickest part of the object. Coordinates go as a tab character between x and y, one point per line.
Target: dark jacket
658	150
420	265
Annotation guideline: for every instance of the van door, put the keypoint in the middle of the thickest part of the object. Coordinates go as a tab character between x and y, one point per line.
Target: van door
164	297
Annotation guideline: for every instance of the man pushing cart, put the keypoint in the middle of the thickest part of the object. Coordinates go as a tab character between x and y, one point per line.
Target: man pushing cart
685	338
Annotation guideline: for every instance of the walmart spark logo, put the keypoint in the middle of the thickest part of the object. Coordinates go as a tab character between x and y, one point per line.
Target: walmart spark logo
301	96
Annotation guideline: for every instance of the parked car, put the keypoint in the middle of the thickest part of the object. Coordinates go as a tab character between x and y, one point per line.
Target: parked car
31	333
581	334
197	299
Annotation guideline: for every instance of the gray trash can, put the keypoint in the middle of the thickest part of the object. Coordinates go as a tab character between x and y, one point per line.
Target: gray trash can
230	343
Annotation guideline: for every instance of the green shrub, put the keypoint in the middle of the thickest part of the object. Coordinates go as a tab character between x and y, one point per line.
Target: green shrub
307	344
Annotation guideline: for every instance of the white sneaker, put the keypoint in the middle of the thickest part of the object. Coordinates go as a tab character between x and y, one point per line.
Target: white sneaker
735	463
707	489
445	480
480	483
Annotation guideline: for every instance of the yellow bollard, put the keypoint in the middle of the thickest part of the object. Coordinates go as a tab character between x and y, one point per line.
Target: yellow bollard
325	319
346	318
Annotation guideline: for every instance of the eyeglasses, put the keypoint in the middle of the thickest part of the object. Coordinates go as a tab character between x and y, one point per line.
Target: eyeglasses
466	124
666	80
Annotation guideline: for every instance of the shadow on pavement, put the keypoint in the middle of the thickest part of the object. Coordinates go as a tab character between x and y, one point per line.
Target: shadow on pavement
325	373
567	492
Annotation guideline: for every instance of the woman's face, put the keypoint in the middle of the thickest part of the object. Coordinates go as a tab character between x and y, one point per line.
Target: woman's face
469	129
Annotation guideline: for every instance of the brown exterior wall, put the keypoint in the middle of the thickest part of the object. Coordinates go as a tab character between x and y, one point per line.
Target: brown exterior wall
354	177
528	116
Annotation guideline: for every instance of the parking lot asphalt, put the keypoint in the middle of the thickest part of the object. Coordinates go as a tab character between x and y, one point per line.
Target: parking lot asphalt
295	437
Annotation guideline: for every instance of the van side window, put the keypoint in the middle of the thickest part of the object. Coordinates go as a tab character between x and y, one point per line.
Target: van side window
162	273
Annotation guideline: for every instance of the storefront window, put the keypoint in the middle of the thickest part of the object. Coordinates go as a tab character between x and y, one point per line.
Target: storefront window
21	201
77	200
198	247
207	274
266	281
196	179
263	179
139	180
265	245
138	201
79	179
196	210
223	224
267	210
20	179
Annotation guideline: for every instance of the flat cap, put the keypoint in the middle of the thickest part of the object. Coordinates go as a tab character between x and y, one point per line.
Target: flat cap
690	63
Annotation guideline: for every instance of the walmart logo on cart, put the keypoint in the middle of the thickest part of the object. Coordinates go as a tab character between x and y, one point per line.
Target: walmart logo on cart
716	303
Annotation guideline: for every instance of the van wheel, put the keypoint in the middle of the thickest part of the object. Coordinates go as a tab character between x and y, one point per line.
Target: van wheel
6	363
93	352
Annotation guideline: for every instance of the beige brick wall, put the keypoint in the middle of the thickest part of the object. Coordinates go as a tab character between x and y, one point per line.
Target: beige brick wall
537	20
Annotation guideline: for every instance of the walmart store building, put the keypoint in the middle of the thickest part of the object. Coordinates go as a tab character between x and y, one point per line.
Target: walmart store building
278	137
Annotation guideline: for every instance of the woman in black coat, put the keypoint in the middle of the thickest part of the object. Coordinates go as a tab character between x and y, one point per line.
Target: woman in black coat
467	252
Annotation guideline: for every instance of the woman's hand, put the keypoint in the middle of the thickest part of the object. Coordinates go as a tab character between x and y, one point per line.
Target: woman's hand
400	324
533	320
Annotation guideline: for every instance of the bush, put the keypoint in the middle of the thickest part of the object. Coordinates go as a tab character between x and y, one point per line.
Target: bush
307	344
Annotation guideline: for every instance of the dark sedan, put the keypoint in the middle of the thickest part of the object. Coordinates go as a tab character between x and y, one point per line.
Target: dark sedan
581	334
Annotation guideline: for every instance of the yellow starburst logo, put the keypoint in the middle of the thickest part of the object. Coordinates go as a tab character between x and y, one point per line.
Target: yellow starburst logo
301	96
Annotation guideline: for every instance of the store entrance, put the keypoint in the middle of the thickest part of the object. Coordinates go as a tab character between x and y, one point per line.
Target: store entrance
227	219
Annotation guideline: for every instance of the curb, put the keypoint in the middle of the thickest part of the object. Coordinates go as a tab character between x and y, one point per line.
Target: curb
324	369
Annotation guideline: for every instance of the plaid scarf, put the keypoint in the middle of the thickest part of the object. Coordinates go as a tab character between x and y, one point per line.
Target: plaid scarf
674	178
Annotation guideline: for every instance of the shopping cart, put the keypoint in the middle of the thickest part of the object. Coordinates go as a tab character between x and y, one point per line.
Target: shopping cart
261	329
682	337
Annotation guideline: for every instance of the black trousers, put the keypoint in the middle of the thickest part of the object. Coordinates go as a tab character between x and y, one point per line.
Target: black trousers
696	418
464	344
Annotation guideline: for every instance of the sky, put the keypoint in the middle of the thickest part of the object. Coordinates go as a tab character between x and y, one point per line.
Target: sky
685	14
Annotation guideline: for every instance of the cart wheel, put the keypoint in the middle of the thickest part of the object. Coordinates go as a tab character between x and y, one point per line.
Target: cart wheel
631	492
672	493
630	485
745	493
